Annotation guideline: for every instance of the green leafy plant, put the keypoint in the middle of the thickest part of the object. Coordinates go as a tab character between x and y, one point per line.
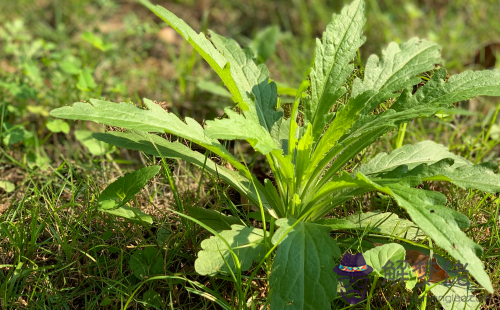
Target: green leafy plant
336	114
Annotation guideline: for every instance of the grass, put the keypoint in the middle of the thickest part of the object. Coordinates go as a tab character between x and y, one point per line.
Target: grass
57	251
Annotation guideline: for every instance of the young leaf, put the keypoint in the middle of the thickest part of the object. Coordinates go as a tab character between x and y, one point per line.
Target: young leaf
341	40
125	188
246	242
302	276
204	47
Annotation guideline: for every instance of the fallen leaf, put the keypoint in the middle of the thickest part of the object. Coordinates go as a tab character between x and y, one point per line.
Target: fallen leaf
419	262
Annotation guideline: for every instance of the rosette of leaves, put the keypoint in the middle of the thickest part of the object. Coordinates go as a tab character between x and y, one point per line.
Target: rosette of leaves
307	158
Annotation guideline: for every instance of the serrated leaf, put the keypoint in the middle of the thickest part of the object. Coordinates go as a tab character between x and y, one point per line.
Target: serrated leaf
341	40
302	276
427	152
125	188
246	242
239	127
463	86
433	162
205	48
445	233
396	70
259	94
157	146
154	119
213	219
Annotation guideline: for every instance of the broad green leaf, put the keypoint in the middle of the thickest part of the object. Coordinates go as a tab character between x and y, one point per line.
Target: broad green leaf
445	233
213	219
154	119
205	48
427	152
13	134
151	297
302	276
264	43
456	297
94	146
392	254
157	146
162	235
39	160
253	82
246	242
463	86
341	40
58	125
125	188
469	176
238	126
146	263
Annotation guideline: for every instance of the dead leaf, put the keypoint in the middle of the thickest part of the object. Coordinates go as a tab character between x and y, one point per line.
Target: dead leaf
419	262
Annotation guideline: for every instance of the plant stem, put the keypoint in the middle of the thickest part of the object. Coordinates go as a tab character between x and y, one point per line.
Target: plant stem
401	135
